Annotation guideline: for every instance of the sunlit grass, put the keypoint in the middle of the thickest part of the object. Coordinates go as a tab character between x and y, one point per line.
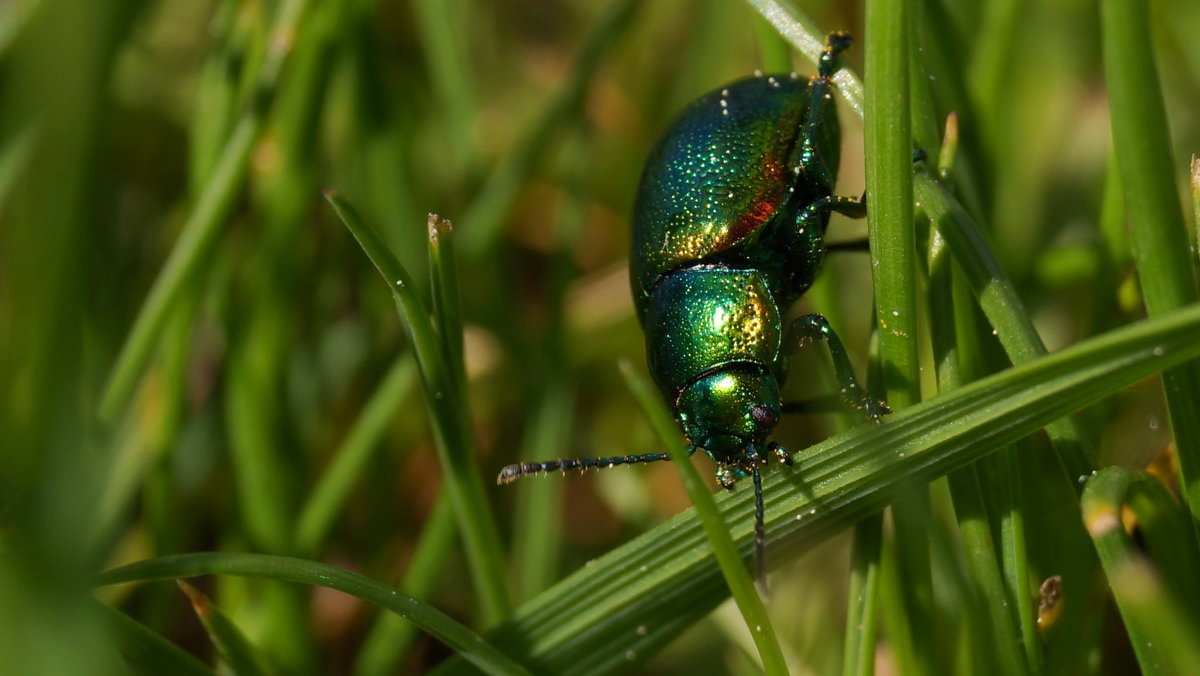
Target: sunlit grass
196	356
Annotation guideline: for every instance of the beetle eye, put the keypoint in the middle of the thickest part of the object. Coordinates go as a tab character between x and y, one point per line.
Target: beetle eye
764	416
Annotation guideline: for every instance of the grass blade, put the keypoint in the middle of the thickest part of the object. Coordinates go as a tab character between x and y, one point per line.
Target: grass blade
236	650
146	651
288	569
389	638
591	621
449	413
204	222
1141	140
892	236
352	456
999	301
1146	604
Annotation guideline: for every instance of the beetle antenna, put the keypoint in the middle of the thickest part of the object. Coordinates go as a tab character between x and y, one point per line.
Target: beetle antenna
513	472
760	538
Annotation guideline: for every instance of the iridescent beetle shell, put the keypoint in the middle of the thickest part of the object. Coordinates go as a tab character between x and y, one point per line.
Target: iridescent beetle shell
724	176
728	232
717	257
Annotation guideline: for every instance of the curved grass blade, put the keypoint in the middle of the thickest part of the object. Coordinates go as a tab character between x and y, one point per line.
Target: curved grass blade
145	651
1150	600
635	599
467	643
998	298
388	639
236	650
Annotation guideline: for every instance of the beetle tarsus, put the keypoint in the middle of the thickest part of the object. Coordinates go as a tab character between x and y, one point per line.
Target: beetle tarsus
835	43
726	477
781	454
810	327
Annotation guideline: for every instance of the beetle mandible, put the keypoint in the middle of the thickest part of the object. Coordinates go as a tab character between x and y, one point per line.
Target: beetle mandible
728	233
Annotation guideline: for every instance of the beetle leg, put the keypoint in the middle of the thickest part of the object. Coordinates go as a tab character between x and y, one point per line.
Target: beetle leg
781	454
727	477
809	234
819	91
851	246
812	327
810	215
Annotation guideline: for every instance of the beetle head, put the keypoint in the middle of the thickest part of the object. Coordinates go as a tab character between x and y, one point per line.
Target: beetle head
727	411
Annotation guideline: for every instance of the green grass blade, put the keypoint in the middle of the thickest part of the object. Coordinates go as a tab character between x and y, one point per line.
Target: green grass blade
862	619
199	233
145	651
1145	602
1195	176
602	617
1014	557
447	310
352	456
389	638
733	567
892	237
999	301
236	650
537	541
889	198
14	154
994	635
476	650
204	222
449	413
1141	140
262	479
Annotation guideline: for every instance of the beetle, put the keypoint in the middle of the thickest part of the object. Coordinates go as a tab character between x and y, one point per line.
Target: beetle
728	232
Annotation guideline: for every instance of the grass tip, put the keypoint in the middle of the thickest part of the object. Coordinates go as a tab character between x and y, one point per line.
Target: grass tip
438	226
199	600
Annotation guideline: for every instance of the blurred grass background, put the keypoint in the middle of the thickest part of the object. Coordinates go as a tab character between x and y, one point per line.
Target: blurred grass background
194	354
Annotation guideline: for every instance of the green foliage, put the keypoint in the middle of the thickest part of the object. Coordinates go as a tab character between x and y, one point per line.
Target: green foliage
201	372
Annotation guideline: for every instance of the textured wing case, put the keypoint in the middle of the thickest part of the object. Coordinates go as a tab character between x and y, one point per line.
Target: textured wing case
716	177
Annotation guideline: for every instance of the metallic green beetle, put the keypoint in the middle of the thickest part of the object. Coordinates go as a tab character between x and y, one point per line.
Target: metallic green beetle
728	232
